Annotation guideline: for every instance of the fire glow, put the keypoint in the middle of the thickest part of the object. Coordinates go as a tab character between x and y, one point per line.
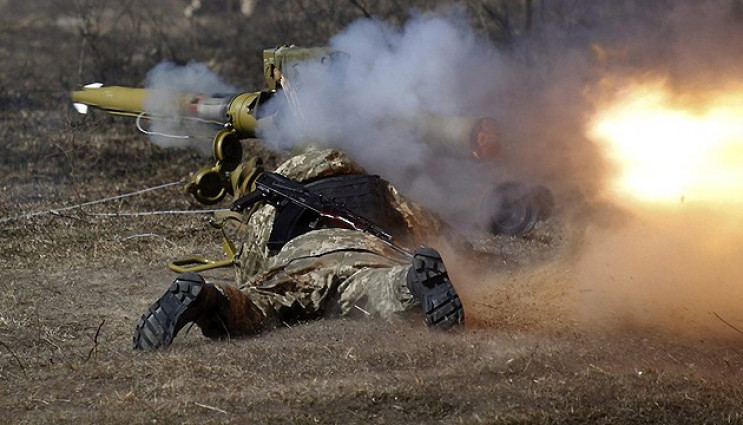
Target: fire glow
668	151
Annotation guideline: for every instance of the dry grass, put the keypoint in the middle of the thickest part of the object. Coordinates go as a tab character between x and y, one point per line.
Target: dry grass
74	285
66	358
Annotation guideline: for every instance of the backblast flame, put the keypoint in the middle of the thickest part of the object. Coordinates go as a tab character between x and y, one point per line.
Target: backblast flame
666	150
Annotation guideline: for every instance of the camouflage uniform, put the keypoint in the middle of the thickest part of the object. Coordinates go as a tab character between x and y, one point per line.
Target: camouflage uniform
328	271
321	272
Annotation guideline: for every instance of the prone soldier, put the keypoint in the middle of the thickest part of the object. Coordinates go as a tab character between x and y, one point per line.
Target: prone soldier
294	265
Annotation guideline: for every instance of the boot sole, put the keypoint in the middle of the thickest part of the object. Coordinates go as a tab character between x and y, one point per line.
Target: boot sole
165	317
441	304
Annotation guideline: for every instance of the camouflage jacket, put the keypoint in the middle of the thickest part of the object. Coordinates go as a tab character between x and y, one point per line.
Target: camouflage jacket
252	256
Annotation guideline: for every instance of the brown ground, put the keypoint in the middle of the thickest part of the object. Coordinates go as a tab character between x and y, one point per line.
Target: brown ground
74	285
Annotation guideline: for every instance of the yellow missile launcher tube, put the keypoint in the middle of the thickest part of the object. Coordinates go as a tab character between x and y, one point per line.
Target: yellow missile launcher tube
235	111
114	99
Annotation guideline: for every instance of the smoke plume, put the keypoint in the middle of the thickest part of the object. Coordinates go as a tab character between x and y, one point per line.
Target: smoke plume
393	85
635	264
167	81
652	267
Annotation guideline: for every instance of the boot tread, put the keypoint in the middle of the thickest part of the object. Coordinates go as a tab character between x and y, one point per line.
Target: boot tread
162	321
430	284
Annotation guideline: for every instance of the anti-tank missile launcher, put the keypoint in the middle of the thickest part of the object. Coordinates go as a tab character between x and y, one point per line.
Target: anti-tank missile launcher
237	116
233	115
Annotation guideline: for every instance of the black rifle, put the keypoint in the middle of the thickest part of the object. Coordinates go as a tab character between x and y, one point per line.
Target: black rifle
278	191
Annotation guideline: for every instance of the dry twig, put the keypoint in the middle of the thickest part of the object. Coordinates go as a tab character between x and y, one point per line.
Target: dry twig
94	348
361	8
23	369
206	406
728	323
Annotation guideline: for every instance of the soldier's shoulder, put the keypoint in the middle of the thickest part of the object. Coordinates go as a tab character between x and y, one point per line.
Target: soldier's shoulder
314	163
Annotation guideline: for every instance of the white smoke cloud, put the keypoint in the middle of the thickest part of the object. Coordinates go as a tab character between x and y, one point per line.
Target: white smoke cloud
380	101
167	81
542	90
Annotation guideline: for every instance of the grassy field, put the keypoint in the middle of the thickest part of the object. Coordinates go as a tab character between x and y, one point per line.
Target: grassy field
74	284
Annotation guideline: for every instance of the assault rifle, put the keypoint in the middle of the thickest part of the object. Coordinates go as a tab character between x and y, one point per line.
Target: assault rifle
283	192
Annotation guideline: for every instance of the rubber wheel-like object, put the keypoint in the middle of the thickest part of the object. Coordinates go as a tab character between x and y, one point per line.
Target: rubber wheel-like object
509	209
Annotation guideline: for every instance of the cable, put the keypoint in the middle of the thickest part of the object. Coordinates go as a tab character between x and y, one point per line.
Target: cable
156	133
84	204
145	115
145	213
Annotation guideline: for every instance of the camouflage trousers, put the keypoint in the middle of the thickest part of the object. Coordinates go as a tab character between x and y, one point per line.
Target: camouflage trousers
332	272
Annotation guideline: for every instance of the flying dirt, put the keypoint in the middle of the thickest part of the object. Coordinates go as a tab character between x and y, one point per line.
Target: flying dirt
646	167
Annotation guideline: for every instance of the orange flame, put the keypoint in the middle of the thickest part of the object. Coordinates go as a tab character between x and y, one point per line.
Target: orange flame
669	151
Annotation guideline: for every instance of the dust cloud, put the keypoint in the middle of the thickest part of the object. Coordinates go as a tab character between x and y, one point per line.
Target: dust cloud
678	270
380	99
673	268
663	265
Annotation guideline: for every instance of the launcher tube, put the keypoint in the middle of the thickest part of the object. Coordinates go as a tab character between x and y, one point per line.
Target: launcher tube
237	110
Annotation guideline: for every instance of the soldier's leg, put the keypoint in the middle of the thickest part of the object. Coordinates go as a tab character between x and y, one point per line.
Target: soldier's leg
219	311
344	282
305	287
386	292
301	287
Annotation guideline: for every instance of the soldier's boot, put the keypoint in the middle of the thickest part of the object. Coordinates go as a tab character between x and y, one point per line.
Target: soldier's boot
188	298
429	283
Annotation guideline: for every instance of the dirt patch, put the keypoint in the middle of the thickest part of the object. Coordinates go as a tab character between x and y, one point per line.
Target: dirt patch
524	357
66	357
